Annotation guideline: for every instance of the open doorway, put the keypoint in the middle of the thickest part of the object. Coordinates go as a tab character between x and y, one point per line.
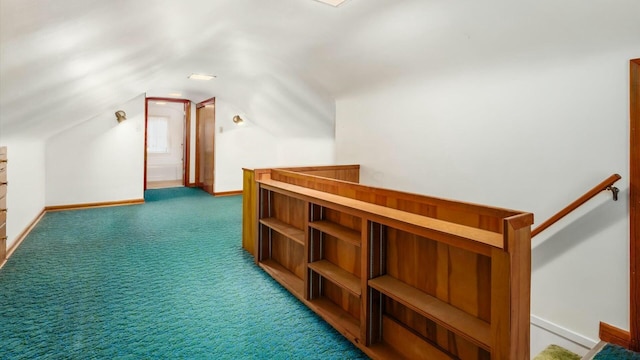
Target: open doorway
167	143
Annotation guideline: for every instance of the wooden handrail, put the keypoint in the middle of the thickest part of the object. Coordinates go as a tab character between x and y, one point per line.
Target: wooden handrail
605	185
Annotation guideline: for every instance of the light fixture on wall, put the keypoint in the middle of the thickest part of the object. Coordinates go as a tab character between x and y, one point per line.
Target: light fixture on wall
238	120
121	116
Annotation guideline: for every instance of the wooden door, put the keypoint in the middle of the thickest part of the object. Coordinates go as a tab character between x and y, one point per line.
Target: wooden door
634	212
205	145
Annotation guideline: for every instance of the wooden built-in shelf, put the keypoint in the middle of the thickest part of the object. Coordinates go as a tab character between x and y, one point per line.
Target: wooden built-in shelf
375	263
336	316
450	317
341	232
337	275
285	277
285	229
386	214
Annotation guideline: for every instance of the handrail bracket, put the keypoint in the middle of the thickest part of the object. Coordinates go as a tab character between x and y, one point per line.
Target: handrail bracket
614	190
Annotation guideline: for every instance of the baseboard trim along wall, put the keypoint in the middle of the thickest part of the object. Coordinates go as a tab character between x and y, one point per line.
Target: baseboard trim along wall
37	219
615	335
94	205
22	236
563	332
228	193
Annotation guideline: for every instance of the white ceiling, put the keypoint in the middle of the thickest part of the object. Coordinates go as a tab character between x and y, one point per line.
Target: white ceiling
65	61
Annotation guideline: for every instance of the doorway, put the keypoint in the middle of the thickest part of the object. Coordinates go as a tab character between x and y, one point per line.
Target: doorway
167	135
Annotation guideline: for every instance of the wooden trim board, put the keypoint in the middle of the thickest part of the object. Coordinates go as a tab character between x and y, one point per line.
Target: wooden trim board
631	339
94	205
228	193
37	219
634	203
614	335
22	236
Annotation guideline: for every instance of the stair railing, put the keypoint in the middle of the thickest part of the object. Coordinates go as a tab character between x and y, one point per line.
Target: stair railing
607	184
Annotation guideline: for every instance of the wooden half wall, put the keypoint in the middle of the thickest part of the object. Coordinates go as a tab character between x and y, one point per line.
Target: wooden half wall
400	275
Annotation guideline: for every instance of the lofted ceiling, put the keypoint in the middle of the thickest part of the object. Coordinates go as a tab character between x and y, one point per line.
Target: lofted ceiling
279	61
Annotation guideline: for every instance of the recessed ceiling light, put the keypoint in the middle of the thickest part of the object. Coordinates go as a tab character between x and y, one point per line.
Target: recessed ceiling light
201	77
175	94
161	103
332	2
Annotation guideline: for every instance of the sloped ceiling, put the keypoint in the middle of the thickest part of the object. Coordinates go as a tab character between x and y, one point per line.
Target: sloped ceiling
283	62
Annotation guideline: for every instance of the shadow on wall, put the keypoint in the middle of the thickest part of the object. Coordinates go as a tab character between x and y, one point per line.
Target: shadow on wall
591	223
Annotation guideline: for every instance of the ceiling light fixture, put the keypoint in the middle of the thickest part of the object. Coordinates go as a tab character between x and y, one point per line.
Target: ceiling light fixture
176	94
201	77
335	3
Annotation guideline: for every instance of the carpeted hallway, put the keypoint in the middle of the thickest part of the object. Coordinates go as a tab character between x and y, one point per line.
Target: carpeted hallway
167	279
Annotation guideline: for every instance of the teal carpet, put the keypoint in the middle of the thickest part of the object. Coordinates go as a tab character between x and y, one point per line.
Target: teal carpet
615	352
163	280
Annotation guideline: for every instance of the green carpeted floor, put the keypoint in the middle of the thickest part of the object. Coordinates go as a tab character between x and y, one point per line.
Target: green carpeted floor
163	280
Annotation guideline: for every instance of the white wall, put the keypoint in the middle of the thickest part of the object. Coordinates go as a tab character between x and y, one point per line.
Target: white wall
532	138
253	146
98	160
26	183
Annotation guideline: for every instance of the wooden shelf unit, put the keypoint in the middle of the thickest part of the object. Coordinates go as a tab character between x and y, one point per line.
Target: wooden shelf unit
335	261
281	249
400	275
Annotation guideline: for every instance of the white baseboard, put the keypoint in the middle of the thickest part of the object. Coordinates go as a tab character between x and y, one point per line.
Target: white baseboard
545	333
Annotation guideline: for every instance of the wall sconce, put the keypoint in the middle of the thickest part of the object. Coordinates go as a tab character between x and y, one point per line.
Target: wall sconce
238	120
121	116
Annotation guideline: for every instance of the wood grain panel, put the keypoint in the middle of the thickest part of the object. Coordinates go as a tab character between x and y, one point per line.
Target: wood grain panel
412	259
350	173
288	210
409	344
463	280
205	145
615	335
89	205
341	297
344	219
343	254
3	172
249	211
634	201
288	253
